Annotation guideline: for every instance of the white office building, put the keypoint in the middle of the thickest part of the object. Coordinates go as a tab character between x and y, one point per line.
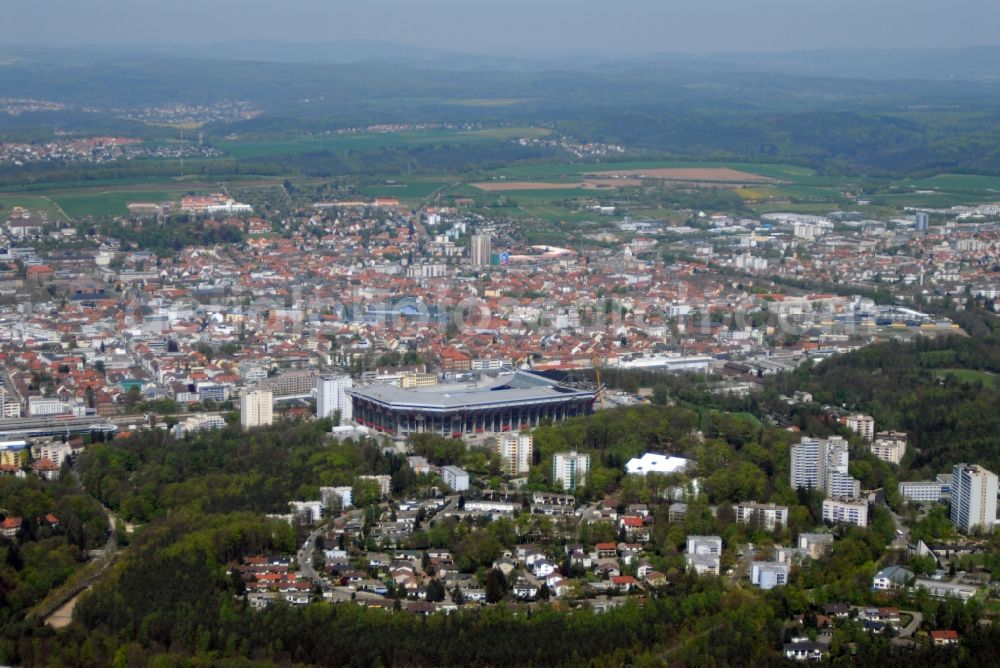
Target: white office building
516	452
331	396
569	470
256	408
973	498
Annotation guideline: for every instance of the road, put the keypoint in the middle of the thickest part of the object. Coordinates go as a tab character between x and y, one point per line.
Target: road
450	500
918	619
59	613
899	542
305	558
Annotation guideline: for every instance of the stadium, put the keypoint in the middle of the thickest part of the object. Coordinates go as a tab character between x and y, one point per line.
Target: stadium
510	402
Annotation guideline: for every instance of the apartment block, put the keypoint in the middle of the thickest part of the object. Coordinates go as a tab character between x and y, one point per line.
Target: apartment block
973	498
862	425
767	516
889	446
331	397
569	469
845	511
516	452
256	408
768	574
823	464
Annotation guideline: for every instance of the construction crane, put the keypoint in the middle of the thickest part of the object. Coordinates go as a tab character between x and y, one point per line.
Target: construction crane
595	359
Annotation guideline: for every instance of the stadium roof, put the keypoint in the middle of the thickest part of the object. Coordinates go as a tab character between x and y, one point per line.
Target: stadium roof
518	388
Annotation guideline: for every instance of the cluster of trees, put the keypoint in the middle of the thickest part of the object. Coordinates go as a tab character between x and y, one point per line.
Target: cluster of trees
950	416
150	473
174	235
42	556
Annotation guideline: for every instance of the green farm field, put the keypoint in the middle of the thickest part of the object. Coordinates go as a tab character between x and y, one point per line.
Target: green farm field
362	142
964	182
34	203
110	203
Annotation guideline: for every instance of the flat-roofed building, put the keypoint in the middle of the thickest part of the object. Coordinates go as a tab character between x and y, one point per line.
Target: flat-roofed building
924	491
845	511
767	516
973	498
862	425
515	451
569	469
256	409
332	397
769	574
889	446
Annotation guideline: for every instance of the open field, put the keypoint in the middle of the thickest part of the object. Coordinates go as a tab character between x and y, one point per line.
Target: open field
970	376
34	203
111	198
111	203
773	171
705	174
589	184
957	182
376	140
934	199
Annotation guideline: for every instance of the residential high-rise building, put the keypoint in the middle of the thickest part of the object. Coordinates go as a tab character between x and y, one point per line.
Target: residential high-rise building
808	464
331	396
515	451
889	446
481	248
569	469
862	425
973	498
256	408
921	221
823	465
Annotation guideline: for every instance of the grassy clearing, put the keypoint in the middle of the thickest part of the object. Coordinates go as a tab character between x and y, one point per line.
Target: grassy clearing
970	376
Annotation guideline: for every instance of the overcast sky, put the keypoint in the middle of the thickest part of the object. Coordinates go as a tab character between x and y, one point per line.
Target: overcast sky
515	27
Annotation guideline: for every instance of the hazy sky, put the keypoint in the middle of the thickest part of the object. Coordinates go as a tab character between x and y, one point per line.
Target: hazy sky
515	27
